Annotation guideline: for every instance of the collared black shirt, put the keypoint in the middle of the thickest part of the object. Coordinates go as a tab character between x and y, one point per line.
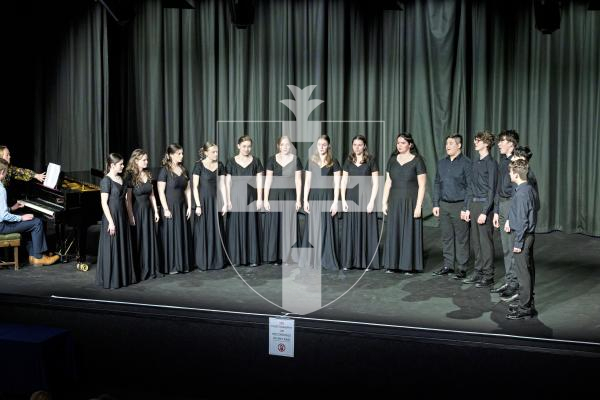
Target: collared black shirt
505	186
522	217
483	182
452	180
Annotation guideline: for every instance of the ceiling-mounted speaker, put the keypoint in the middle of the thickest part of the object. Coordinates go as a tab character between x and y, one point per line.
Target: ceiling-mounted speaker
547	15
242	13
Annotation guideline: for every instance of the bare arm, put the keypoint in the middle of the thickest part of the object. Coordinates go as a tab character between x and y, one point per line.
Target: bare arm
129	206
386	193
163	199
422	181
298	189
337	177
259	190
307	191
106	211
195	184
344	186
268	181
188	199
228	190
223	191
374	190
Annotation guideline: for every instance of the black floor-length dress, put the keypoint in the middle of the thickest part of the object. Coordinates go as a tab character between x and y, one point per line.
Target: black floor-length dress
320	238
175	232
208	227
404	233
115	262
359	244
280	229
143	234
243	233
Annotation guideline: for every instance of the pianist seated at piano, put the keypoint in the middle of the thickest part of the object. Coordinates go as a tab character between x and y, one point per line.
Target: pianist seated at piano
22	174
27	223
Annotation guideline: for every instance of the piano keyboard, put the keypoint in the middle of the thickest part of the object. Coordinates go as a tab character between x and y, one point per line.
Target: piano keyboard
42	206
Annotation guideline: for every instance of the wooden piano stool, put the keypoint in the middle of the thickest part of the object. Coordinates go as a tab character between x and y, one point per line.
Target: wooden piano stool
11	240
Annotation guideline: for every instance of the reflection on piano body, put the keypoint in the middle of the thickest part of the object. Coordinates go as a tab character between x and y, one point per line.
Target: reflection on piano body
74	203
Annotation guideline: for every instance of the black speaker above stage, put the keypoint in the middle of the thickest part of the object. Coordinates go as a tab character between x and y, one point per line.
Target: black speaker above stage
242	13
547	15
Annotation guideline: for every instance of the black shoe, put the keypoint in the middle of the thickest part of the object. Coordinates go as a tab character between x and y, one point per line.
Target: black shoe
345	269
460	275
443	271
485	282
519	313
509	296
253	265
390	271
499	289
473	279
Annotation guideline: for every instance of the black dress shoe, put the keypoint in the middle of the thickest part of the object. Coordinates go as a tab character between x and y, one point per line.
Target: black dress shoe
520	313
485	282
443	271
473	279
499	289
460	275
509	295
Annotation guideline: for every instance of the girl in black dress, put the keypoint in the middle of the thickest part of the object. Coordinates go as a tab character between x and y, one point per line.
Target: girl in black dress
321	191
115	264
176	200
208	176
405	183
143	215
244	172
359	247
282	203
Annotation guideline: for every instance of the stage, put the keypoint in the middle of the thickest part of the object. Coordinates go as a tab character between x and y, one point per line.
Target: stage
567	292
214	326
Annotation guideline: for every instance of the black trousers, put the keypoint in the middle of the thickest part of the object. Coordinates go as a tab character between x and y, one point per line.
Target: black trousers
525	271
482	241
510	277
455	236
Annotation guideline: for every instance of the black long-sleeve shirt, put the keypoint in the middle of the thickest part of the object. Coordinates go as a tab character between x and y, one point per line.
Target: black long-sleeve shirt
506	188
483	182
452	180
522	217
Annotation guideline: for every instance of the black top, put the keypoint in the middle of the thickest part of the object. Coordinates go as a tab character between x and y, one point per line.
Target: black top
522	216
364	169
279	170
452	180
506	187
483	182
254	168
404	177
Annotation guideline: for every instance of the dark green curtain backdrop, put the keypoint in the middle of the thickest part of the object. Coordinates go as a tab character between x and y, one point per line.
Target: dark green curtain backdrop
437	67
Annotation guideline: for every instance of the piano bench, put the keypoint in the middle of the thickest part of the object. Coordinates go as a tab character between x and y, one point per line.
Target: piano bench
11	240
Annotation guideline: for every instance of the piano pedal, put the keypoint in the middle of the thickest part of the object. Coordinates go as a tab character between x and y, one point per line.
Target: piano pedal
83	267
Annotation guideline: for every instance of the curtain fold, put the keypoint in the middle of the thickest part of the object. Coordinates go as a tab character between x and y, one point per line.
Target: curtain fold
437	67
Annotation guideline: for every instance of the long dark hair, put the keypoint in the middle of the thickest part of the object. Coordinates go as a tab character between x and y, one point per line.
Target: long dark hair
408	137
111	159
366	155
166	161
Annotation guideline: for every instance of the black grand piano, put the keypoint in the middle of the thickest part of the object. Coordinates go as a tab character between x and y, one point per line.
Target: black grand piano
72	207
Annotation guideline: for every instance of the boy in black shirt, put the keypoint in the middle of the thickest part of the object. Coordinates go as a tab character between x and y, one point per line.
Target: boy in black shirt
522	220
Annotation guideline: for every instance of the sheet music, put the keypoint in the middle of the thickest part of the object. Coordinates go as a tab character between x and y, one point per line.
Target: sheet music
52	175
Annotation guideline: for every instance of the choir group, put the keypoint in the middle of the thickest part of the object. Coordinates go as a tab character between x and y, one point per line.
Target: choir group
211	219
246	214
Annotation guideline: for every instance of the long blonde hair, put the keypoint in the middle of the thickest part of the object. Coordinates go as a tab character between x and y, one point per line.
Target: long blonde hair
132	169
328	157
